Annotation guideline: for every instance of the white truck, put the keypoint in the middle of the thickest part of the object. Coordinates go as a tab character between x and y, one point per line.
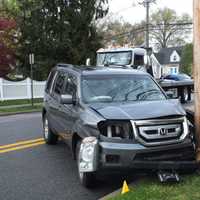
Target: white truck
138	58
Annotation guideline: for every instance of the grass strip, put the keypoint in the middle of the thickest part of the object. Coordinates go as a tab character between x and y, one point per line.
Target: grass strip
24	109
19	102
188	189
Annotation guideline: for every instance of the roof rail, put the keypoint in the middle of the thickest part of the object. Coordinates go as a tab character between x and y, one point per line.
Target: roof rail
65	65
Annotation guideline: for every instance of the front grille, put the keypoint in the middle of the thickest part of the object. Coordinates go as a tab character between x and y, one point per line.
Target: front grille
160	131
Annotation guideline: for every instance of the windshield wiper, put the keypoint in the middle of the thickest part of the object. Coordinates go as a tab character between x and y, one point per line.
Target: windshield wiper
133	90
149	91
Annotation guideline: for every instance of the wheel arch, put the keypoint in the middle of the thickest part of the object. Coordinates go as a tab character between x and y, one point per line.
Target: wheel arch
75	139
43	113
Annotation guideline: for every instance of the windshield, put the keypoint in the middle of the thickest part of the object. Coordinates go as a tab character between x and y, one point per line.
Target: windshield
117	88
115	58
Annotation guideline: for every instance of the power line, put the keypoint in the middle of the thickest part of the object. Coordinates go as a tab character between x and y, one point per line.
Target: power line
173	24
114	13
151	28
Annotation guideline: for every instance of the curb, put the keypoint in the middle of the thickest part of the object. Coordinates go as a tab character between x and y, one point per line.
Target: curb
112	194
18	113
116	192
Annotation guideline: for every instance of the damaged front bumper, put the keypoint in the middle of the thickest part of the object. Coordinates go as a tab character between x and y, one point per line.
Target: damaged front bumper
136	156
98	156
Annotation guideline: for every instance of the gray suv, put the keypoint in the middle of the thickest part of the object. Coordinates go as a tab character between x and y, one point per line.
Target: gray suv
115	118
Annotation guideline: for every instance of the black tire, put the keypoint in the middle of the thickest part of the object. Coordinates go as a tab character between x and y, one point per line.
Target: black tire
87	179
49	137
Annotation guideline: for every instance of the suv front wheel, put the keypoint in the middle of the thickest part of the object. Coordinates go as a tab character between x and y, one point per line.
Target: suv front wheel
49	136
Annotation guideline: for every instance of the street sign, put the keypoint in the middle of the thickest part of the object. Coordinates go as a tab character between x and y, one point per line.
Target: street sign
31	59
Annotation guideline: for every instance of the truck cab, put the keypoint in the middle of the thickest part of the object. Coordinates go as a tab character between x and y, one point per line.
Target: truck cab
136	58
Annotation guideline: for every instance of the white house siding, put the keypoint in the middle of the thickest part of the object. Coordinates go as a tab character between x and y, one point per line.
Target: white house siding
157	68
175	57
170	69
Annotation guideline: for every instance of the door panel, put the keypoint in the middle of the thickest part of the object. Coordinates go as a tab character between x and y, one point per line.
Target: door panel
68	113
55	102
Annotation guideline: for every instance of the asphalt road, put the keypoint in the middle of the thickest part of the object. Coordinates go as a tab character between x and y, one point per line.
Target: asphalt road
42	171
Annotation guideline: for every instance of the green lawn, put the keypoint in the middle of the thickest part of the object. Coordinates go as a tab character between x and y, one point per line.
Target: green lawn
19	102
188	189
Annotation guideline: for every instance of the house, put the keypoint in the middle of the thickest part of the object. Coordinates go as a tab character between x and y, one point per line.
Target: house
166	61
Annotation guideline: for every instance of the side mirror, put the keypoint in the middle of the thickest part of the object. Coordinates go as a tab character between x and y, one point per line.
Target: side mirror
170	94
88	62
66	99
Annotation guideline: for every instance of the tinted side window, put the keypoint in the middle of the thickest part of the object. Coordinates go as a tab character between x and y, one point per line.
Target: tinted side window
49	81
59	83
71	85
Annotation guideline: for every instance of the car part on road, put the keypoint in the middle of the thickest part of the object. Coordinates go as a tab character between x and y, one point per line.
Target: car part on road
168	176
49	136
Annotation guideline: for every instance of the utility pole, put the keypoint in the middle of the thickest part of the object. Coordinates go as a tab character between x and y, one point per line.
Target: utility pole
147	24
196	52
146	4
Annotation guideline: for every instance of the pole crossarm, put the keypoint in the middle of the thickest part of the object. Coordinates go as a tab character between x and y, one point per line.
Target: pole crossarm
145	2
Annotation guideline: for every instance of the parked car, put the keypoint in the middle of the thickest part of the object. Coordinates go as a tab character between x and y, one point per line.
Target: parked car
115	119
178	77
184	85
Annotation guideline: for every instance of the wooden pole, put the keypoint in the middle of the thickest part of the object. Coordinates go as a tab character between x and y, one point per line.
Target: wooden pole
196	18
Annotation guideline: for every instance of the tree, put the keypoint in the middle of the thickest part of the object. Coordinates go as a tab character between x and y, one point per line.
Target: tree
187	59
7	41
168	29
58	31
117	32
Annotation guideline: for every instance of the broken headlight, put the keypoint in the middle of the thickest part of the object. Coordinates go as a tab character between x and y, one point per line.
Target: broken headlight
116	129
88	154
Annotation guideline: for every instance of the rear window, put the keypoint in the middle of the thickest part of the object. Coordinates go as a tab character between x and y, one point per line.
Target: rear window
49	81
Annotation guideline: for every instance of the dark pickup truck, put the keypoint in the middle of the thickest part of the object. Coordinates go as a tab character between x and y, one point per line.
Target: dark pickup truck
116	118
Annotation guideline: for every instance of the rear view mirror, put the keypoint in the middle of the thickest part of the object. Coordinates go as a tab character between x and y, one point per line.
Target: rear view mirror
66	99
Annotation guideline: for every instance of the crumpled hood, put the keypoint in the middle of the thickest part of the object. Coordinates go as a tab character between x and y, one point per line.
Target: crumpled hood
139	110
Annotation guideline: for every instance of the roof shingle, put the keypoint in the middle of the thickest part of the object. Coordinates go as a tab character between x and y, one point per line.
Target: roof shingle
163	56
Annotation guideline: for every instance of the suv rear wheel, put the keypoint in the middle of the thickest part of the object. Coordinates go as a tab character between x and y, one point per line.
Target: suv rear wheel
49	136
87	179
